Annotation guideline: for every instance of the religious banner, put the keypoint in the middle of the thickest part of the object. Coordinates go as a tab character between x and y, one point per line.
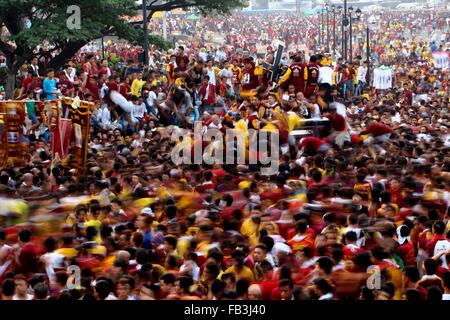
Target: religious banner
60	131
79	114
17	151
3	137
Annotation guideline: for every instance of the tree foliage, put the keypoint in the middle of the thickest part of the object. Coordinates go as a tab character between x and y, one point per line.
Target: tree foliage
20	41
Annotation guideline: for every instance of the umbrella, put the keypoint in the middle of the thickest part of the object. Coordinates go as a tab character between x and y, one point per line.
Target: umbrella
193	17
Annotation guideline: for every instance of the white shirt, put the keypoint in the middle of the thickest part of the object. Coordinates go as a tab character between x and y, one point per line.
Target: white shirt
212	75
326	75
28	297
446	296
52	260
362	72
35	69
139	110
228	74
316	113
441	246
151	98
105	117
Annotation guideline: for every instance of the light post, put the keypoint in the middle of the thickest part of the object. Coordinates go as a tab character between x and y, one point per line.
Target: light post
333	10
358	17
345	24
350	10
339	12
144	26
327	9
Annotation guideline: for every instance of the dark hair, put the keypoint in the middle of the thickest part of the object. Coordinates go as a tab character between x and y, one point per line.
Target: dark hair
8	287
286	283
367	294
50	244
242	287
413	295
434	294
25	235
168	278
301	226
326	264
430	266
103	289
323	285
351	236
412	273
439	227
40	290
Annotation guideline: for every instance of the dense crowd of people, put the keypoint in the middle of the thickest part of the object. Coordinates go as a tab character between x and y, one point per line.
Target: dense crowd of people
359	210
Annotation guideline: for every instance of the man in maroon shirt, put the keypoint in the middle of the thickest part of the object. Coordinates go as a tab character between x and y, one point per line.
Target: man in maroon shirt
182	60
379	131
406	249
438	234
25	254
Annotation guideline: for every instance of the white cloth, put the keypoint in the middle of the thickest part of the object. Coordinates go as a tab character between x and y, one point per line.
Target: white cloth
382	78
326	75
212	75
440	60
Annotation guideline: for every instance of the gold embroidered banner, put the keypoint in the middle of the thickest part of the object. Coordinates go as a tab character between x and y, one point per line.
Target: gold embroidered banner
14	150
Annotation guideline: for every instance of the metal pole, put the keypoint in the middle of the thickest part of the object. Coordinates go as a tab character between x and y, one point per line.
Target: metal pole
342	37
323	27
368	56
103	48
144	26
328	31
344	32
320	31
351	39
334	32
165	26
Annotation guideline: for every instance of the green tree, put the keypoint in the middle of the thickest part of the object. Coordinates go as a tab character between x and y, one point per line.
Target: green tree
27	24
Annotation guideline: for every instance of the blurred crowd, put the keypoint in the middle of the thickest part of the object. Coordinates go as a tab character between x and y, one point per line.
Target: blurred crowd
359	209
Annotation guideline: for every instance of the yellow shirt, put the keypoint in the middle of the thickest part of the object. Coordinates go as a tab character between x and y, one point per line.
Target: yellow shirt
97	224
68	253
251	230
245	273
136	87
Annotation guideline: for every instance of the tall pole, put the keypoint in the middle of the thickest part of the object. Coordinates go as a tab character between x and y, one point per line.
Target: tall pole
344	31
334	31
144	26
351	40
368	56
323	27
328	31
320	31
103	48
165	26
342	37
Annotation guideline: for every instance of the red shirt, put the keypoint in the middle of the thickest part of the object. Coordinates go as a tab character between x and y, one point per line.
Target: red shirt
311	144
377	129
338	123
429	248
407	252
28	258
